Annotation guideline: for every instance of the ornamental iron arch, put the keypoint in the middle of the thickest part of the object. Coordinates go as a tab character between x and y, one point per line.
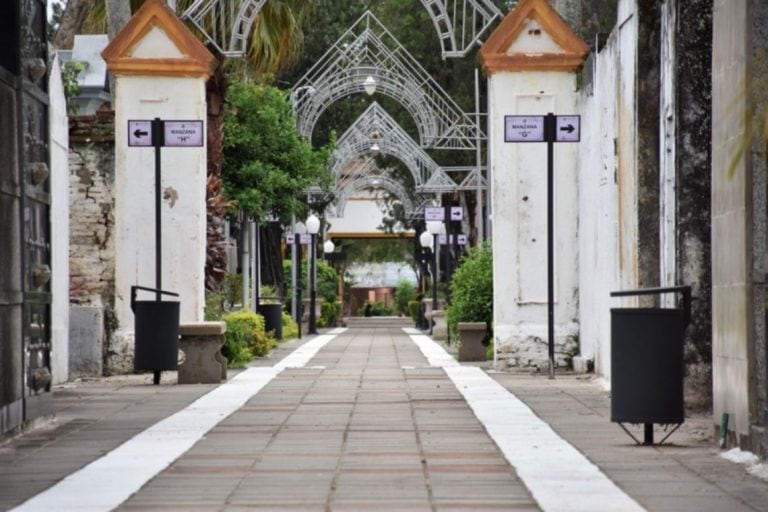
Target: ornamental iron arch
226	24
370	177
460	23
376	126
368	49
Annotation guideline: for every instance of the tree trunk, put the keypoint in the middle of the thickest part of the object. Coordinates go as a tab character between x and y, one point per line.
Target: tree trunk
72	21
216	257
118	14
271	255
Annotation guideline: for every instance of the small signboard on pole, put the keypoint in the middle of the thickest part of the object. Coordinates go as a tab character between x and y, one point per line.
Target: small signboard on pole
184	133
549	129
523	128
434	213
450	239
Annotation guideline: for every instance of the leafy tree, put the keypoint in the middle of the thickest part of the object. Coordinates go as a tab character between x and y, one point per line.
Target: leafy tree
267	166
404	293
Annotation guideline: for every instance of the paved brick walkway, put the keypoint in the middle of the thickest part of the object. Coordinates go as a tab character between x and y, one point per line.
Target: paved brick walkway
366	424
352	431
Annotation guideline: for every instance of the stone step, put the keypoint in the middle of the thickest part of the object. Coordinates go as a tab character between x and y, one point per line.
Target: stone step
378	321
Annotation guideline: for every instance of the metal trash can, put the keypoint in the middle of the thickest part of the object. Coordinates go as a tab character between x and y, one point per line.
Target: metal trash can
273	318
647	363
156	326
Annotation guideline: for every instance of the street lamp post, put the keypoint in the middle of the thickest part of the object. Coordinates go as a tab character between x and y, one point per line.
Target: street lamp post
434	228
313	226
426	241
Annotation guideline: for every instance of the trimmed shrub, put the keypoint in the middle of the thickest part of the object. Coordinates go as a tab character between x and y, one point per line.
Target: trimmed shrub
252	326
377	309
290	327
329	314
472	291
413	310
236	347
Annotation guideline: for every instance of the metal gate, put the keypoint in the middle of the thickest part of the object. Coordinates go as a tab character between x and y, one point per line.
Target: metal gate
25	242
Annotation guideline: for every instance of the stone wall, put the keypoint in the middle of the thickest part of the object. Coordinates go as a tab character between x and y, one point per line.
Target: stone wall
644	179
92	255
738	221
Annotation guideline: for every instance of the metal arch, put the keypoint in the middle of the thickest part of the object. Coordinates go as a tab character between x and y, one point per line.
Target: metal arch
460	23
374	182
375	125
369	49
225	23
358	170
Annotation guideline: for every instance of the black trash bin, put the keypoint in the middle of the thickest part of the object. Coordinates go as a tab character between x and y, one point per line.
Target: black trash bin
647	362
156	326
273	318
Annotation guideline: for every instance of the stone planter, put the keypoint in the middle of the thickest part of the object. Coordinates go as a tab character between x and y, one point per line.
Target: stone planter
440	327
471	336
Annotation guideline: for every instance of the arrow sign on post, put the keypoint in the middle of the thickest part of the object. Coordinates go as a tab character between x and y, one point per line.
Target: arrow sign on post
568	129
549	129
139	133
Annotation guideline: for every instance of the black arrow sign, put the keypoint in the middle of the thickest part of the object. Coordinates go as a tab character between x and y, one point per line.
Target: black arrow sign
568	128
139	134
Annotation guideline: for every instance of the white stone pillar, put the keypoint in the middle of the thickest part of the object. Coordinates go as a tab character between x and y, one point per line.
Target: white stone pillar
531	60
160	69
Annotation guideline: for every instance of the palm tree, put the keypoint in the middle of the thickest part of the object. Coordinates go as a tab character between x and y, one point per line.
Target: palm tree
274	43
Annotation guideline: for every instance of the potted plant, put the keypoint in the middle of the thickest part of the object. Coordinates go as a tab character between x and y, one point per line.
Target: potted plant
470	313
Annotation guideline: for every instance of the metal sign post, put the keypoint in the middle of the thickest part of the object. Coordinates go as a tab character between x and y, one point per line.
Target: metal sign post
158	133
549	129
152	341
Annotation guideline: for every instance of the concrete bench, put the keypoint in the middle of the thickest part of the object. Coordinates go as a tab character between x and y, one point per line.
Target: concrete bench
201	343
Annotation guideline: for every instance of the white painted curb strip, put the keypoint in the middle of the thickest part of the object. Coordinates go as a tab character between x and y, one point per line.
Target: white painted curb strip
560	478
108	481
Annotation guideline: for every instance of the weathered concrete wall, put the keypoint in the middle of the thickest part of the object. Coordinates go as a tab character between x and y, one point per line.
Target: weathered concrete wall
739	73
92	247
644	180
598	194
732	288
59	227
647	134
608	187
692	156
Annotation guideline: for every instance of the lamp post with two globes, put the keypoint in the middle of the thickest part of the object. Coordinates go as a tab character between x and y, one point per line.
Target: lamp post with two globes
313	226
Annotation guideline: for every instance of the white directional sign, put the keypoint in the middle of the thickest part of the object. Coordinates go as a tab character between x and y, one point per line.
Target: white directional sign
175	133
459	239
523	128
139	133
289	238
184	133
568	129
305	239
434	213
457	213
